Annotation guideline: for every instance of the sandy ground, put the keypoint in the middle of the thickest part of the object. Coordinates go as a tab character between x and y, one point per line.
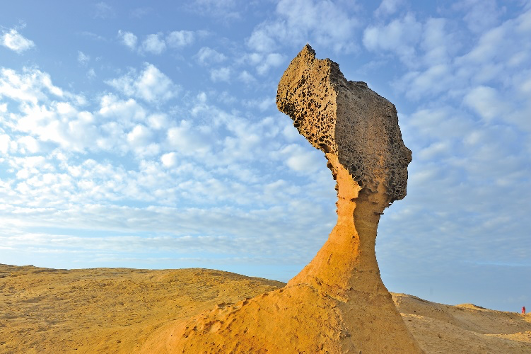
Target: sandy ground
116	310
464	328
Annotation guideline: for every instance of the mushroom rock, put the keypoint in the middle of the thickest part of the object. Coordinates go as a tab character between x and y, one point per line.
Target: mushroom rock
337	303
358	131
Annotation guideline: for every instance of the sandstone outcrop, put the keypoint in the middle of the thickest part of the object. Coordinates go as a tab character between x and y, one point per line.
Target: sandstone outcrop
337	303
117	310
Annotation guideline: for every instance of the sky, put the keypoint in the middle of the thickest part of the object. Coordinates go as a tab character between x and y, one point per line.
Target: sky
146	135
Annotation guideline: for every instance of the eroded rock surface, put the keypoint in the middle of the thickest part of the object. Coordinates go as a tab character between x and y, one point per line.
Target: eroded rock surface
337	303
347	119
116	310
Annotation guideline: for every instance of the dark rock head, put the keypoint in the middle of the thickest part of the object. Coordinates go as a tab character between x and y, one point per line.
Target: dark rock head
348	119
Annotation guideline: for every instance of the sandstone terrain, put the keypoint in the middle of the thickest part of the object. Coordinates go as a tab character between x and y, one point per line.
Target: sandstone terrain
336	304
117	310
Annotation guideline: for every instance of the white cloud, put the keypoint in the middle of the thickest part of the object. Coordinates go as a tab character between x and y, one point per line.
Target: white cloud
150	85
46	114
487	49
111	138
154	44
91	74
5	143
28	144
243	141
222	10
60	123
299	159
388	7
434	80
298	22
523	83
323	21
32	86
128	39
140	135
169	159
181	230
15	41
263	37
141	12
263	62
82	58
270	60
446	66
451	123
208	56
221	74
246	77
434	150
153	85
178	39
486	102
158	121
439	45
290	133
504	45
103	10
157	43
400	36
262	104
120	110
140	140
480	14
188	140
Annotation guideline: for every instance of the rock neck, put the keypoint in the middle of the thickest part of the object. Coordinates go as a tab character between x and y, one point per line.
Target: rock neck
346	264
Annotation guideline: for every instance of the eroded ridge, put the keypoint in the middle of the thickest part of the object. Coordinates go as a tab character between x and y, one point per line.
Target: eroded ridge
337	303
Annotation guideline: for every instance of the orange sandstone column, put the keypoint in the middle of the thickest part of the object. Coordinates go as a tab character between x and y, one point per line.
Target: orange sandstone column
337	303
358	131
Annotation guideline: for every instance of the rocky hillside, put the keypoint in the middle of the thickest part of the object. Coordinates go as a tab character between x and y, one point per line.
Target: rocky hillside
117	310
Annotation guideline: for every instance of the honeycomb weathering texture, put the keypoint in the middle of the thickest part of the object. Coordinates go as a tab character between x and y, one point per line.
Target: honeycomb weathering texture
306	94
348	119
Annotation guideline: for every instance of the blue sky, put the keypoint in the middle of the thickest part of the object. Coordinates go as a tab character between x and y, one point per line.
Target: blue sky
145	134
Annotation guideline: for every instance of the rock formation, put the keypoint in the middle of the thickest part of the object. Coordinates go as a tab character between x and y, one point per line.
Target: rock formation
337	303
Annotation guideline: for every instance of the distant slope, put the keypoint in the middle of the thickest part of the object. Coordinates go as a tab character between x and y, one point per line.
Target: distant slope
106	310
464	328
116	310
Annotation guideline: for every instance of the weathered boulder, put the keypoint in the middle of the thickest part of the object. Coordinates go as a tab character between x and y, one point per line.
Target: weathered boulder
358	131
346	119
337	303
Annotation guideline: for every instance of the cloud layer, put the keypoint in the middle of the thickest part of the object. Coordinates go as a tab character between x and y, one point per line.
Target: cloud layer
15	41
132	137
